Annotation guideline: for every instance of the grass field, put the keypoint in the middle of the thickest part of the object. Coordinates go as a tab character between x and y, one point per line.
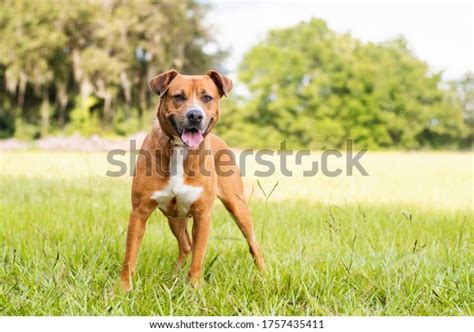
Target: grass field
398	242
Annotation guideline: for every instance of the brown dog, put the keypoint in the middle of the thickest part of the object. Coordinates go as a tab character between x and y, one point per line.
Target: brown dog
176	171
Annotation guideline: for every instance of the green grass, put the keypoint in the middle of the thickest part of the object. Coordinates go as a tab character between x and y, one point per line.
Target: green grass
63	234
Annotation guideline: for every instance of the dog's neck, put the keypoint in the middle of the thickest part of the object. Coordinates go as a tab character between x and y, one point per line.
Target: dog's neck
188	159
176	142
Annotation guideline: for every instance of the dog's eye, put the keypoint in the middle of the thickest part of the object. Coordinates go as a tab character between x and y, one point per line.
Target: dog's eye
207	98
179	97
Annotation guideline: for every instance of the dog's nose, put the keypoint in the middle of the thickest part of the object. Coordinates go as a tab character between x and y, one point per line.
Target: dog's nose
194	116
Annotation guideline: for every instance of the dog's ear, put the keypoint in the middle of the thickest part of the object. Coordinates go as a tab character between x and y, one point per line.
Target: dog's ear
159	84
224	84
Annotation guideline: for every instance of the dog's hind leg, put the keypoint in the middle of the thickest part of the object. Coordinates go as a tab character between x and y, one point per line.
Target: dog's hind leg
230	191
179	228
241	214
231	194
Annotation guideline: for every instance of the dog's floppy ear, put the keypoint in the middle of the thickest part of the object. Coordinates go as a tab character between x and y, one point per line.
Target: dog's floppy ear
224	84
159	84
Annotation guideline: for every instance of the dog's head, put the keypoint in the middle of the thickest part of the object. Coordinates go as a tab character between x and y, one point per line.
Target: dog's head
190	105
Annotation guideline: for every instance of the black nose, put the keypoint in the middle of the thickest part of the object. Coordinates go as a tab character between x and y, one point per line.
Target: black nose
194	116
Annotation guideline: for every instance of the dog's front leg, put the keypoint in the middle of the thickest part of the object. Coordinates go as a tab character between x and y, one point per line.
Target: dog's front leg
201	227
136	230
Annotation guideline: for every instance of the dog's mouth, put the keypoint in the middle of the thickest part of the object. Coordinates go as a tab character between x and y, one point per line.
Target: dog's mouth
191	136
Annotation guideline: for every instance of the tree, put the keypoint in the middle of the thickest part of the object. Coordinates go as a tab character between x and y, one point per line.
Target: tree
463	93
315	88
85	65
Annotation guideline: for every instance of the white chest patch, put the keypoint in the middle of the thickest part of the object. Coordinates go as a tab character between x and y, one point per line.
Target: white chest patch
184	194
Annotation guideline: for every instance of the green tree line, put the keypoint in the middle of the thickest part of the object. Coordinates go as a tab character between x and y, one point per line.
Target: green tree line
314	88
84	66
75	66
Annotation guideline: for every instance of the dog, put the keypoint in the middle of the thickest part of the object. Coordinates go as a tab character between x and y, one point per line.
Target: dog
179	172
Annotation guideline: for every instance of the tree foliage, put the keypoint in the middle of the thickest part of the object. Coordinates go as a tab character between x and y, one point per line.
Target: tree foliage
85	65
462	92
82	66
314	88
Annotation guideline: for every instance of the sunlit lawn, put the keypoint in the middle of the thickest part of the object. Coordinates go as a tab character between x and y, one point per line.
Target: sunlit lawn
396	242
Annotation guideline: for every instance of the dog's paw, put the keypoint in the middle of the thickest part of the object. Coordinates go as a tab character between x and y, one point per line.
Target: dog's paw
125	285
260	264
194	281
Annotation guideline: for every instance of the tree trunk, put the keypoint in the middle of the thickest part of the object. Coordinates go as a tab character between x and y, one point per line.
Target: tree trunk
142	91
143	104
86	90
76	65
45	108
108	116
62	99
21	91
127	91
103	93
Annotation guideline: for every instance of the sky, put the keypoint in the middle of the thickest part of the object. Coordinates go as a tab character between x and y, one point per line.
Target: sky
440	34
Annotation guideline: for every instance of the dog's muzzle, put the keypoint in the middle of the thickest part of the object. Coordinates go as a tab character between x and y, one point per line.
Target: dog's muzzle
192	128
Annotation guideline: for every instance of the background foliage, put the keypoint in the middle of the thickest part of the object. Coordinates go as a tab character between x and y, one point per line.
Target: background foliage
83	67
315	88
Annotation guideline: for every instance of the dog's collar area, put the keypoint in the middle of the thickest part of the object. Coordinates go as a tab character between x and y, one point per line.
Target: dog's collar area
176	141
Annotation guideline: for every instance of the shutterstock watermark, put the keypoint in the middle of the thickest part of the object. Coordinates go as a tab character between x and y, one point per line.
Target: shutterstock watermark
265	162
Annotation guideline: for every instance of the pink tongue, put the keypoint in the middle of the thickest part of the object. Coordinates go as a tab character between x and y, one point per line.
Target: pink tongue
192	138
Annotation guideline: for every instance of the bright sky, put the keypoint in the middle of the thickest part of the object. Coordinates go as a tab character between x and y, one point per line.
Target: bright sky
440	34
